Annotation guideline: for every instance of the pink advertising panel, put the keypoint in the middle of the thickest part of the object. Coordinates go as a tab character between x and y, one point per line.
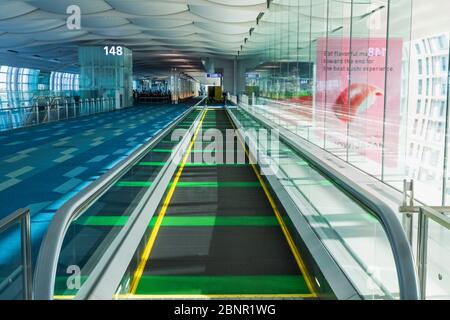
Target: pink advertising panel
358	107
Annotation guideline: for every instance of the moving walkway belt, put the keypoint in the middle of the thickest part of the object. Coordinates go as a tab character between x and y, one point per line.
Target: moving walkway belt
218	233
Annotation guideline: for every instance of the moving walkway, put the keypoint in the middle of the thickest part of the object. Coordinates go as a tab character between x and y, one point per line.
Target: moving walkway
181	218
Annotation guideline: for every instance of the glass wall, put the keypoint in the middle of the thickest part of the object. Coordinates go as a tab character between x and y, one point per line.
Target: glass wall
181	87
368	82
360	80
17	86
427	116
60	81
106	74
22	88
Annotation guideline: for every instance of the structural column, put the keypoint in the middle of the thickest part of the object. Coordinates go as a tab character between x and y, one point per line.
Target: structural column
107	72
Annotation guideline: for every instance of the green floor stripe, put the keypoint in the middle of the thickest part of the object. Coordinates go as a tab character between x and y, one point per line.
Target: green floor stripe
61	286
134	184
210	125
217	221
194	184
208	151
199	164
183	285
152	164
195	164
160	150
217	184
184	221
102	221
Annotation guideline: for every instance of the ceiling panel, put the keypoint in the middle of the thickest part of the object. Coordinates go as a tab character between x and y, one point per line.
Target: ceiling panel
35	30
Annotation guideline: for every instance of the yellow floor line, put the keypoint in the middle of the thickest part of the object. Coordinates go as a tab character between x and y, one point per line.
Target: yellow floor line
62	297
201	296
215	296
285	230
154	233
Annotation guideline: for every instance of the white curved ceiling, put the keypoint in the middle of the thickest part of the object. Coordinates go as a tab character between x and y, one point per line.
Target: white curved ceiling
163	33
34	32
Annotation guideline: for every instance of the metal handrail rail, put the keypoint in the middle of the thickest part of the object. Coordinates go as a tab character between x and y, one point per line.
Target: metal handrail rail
60	109
401	249
435	213
17	108
23	217
47	261
426	213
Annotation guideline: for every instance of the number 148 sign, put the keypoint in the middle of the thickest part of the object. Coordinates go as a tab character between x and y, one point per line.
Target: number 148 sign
113	50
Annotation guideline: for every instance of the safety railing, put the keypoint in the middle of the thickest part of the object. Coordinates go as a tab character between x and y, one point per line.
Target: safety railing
16	276
39	113
428	229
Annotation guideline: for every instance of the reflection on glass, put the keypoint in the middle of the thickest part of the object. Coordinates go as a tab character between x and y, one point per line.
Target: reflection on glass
365	80
438	262
341	74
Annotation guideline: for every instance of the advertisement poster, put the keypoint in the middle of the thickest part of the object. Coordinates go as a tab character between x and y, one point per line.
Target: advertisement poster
356	107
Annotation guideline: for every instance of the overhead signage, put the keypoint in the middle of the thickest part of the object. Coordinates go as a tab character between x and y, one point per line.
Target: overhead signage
252	76
214	75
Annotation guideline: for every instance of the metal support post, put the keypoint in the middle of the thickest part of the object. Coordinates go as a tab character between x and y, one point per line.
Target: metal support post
408	201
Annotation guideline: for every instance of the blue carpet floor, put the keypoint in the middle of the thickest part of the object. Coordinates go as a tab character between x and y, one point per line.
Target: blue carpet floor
44	166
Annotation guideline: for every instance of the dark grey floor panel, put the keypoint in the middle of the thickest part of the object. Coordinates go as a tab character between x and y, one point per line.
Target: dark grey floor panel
220	201
221	251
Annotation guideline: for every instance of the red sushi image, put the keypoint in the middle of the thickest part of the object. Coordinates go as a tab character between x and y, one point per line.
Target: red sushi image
362	96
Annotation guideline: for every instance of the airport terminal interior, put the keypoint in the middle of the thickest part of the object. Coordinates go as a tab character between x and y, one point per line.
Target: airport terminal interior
224	149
